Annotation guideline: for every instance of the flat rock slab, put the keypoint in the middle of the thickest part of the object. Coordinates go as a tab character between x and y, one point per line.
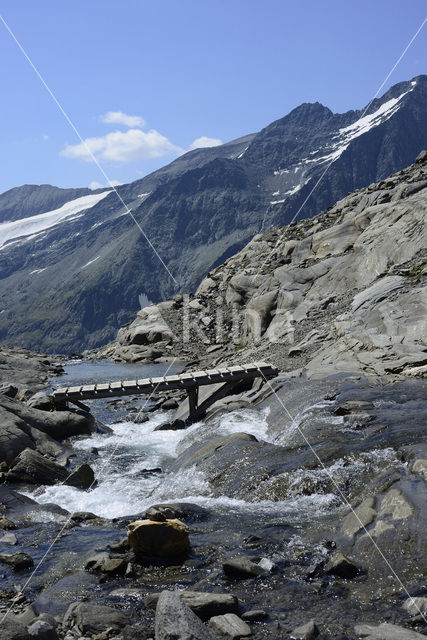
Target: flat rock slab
230	626
242	568
91	619
386	631
176	621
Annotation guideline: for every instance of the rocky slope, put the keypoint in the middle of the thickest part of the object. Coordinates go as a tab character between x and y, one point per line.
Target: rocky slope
343	292
91	269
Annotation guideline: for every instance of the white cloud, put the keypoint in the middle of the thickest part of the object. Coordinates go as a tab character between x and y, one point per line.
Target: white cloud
118	117
203	141
123	146
95	185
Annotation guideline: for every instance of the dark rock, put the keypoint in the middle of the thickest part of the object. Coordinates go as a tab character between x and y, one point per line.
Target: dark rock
41	401
305	632
170	403
31	467
230	626
18	561
6	524
241	568
254	615
12	630
181	510
120	547
94	618
83	516
8	390
171	426
176	621
203	604
339	565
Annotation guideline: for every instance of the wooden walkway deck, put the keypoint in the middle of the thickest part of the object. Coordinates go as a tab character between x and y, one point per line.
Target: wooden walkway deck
187	381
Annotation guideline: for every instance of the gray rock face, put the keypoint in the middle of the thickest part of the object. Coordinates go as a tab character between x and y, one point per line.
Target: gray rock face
386	631
176	621
42	630
91	619
12	630
339	565
230	626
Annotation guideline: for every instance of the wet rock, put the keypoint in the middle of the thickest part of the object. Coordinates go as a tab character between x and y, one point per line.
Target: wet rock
42	630
176	621
12	630
180	510
203	604
18	561
82	478
170	403
8	390
30	467
120	547
103	563
267	564
9	538
255	615
90	619
169	538
386	631
83	516
359	518
230	626
206	605
305	632
241	568
415	605
6	524
351	406
339	565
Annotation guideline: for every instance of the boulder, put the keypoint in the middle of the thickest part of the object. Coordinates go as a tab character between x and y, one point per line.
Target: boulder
41	401
176	621
91	619
42	630
339	565
386	631
12	630
18	561
241	568
180	510
31	467
169	538
206	605
305	631
254	615
415	606
230	626
59	425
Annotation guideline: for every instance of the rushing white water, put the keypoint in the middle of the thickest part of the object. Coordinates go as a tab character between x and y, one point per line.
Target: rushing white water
125	488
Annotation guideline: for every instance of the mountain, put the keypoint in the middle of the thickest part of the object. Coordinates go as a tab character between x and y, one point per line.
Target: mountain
344	292
70	282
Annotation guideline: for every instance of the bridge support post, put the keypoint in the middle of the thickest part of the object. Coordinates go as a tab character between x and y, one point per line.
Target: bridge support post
193	401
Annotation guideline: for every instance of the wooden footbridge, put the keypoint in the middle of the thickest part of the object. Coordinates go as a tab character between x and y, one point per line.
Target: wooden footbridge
225	380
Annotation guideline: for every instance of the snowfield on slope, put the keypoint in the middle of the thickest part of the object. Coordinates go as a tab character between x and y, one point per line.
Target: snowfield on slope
42	221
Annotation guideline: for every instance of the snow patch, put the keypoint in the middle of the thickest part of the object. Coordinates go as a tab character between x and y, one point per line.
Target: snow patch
35	224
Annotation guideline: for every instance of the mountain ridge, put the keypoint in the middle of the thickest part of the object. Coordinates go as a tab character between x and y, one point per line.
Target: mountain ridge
197	211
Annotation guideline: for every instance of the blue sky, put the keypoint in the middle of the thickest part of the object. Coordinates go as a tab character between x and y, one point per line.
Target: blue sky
185	71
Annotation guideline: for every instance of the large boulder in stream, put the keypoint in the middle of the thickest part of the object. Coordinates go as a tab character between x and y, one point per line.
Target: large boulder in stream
23	427
167	538
176	621
31	467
